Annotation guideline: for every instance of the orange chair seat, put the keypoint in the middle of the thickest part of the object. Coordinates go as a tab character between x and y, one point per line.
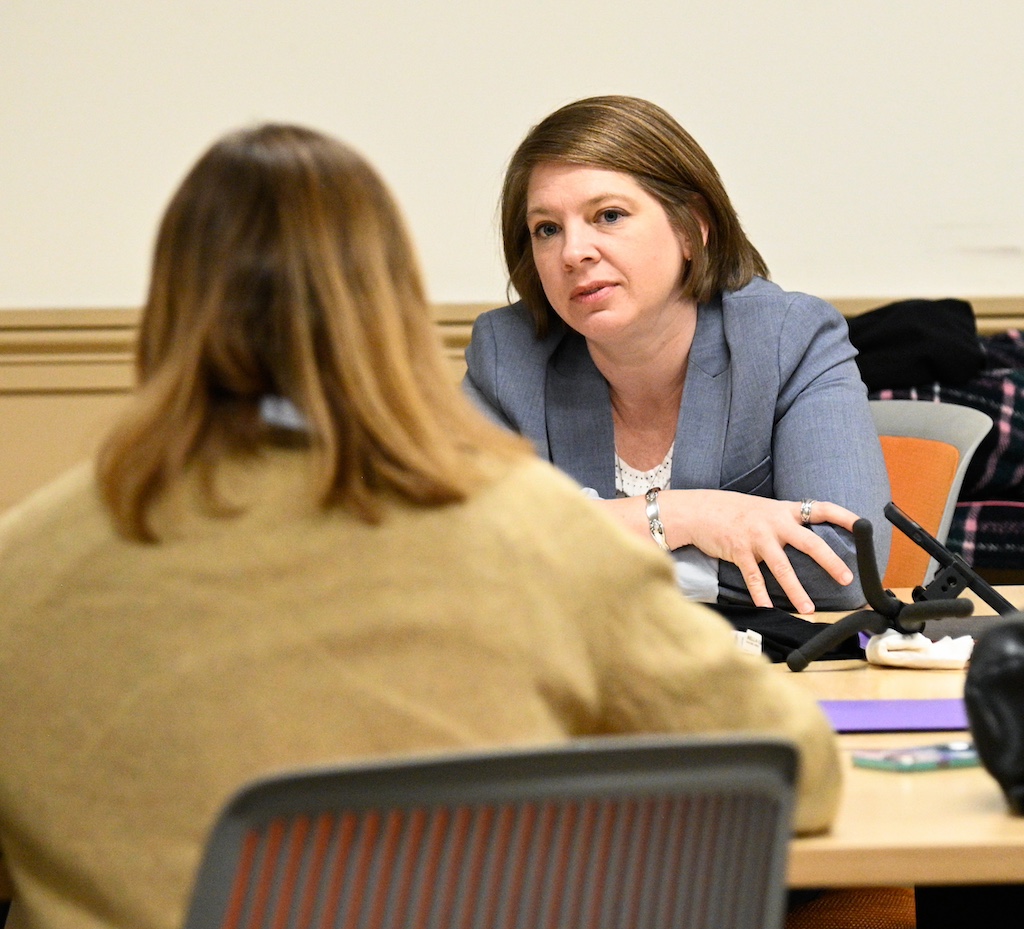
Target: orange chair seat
921	473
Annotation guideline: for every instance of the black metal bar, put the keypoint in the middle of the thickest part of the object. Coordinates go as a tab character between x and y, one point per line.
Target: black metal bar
955	575
831	636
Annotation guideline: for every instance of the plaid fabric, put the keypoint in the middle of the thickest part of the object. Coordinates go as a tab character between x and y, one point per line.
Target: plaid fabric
988	525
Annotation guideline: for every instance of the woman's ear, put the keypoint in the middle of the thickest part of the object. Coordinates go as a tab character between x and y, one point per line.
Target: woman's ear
685	239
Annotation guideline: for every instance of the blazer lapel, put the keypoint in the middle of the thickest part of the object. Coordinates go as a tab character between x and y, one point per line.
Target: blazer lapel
581	436
704	413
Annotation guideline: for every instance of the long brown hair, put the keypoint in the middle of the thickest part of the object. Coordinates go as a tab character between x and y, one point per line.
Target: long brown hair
282	268
638	138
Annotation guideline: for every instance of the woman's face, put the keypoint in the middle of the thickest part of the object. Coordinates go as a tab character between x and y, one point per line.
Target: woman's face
608	258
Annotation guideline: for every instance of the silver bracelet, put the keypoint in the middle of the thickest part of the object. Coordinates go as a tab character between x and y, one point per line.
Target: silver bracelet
654	518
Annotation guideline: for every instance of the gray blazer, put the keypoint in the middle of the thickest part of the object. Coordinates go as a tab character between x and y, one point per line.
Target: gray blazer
773	405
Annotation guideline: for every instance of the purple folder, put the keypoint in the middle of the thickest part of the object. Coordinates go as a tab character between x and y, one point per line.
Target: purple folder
895	715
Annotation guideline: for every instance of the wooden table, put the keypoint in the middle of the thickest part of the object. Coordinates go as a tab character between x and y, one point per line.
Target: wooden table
923	828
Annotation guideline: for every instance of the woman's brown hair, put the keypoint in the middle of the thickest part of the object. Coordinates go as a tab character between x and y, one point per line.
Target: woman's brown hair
282	268
638	138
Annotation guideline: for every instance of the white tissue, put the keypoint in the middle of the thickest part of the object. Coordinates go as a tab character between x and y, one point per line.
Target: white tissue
749	641
893	649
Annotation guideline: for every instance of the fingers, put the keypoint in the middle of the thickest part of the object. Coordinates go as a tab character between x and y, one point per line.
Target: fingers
822	511
816	548
750	567
771	551
810	544
782	571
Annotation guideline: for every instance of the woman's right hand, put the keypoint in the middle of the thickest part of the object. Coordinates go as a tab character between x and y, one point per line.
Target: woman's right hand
748	531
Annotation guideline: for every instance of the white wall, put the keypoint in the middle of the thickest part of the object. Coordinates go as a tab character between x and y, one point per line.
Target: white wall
870	146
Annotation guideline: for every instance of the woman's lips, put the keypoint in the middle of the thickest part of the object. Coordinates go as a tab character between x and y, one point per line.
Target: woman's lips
588	293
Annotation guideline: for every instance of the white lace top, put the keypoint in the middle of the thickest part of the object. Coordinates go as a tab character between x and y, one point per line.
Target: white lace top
632	483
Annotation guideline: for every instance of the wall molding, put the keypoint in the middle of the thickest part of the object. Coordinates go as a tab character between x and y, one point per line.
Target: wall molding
67	350
66	374
84	349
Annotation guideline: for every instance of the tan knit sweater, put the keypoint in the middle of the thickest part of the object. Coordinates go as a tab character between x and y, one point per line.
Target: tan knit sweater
141	684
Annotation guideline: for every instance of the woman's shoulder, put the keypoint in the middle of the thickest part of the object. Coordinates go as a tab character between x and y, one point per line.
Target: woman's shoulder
514	323
511	321
531	485
46	534
785	320
51	506
505	339
545	503
768	299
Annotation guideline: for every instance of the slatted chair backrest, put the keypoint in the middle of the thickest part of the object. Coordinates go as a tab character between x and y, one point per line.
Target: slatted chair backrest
639	832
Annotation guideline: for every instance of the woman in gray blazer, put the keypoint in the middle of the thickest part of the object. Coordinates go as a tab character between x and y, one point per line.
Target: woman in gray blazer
651	359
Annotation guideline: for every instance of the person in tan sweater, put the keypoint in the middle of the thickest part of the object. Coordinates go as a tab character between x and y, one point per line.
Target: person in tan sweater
303	544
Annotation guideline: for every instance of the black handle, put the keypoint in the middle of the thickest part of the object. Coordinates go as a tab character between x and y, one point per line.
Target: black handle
831	636
879	599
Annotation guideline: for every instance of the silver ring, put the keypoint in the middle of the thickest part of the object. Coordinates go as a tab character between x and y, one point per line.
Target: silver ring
805	511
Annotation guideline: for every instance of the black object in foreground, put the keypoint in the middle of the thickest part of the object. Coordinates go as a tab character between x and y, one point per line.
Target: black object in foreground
994	699
885	609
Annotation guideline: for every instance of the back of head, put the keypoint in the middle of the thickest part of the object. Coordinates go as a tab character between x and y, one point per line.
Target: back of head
282	269
637	138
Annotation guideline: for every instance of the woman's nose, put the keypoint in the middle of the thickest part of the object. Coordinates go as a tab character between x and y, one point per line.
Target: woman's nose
578	246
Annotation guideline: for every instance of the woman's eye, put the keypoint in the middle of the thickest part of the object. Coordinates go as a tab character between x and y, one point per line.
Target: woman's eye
611	216
545	230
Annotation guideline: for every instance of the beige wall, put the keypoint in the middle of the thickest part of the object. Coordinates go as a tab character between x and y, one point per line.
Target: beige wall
870	146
